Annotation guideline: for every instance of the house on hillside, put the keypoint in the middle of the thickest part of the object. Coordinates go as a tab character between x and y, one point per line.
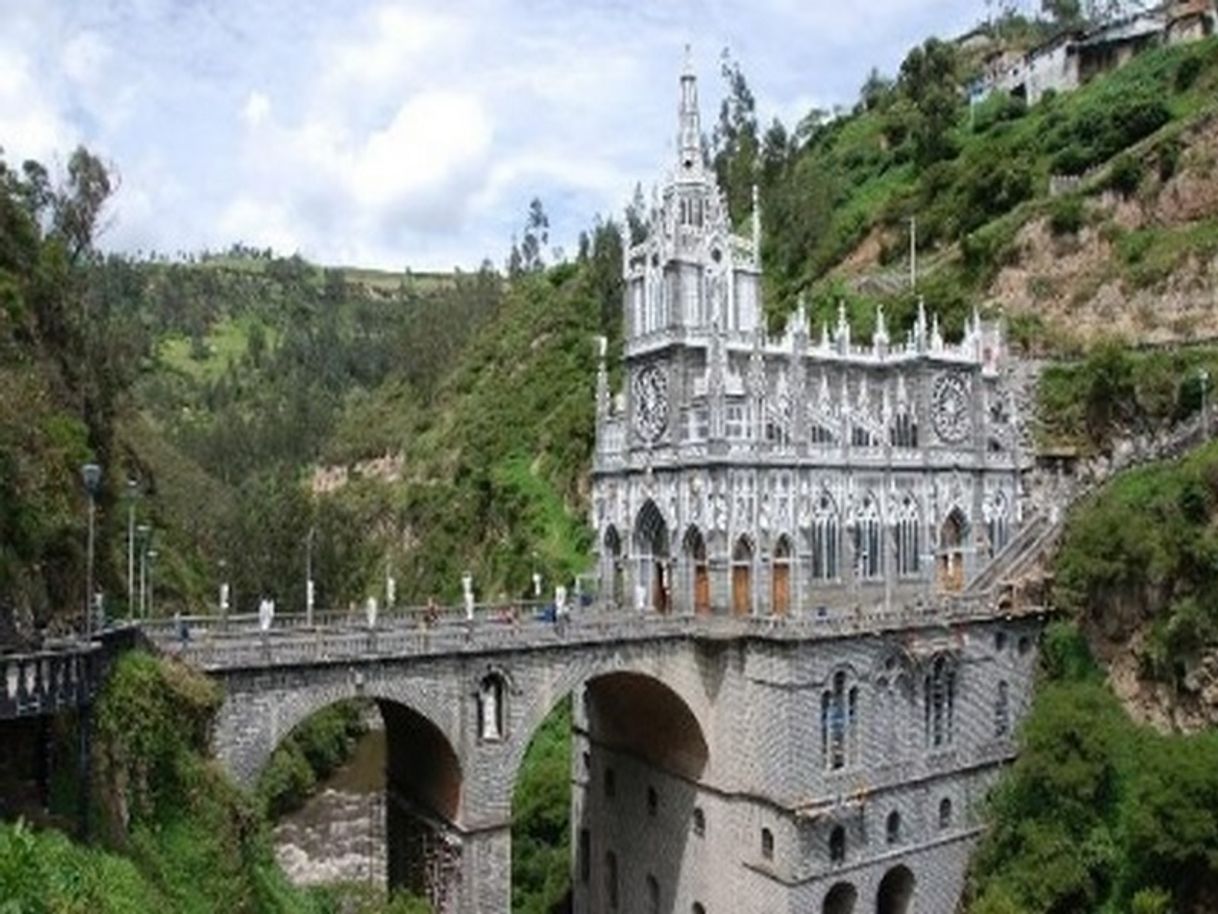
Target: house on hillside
1075	57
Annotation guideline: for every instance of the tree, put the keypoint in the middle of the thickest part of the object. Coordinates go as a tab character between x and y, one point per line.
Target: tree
929	80
78	206
536	237
735	139
875	87
776	150
1063	12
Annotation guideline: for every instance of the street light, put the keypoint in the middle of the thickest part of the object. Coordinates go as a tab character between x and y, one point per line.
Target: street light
224	596
133	493
91	475
1204	375
309	576
144	532
152	554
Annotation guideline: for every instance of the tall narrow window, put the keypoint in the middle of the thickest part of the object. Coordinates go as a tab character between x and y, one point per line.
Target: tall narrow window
839	724
825	540
904	430
945	813
611	880
585	855
699	822
1002	710
997	523
909	540
653	802
940	703
767	844
868	540
653	895
893	827
610	783
837	845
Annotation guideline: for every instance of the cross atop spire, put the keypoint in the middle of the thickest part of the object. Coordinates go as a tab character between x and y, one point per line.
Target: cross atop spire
689	126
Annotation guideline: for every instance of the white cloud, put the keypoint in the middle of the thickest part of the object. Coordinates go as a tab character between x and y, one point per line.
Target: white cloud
31	127
256	109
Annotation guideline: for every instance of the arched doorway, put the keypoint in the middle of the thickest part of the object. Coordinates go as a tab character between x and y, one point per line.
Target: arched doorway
841	899
780	584
742	577
896	891
699	571
612	557
952	536
651	552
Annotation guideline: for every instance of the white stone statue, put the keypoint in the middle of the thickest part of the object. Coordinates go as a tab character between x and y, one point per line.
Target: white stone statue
370	610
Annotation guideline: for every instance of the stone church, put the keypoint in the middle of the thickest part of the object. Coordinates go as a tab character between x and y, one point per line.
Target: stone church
788	482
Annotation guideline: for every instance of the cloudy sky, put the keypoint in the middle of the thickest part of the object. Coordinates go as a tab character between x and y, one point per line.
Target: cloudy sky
405	132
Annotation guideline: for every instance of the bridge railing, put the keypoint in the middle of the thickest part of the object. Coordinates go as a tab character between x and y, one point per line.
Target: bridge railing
39	682
236	643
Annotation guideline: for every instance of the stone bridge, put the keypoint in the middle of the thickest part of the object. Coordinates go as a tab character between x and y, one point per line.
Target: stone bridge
461	700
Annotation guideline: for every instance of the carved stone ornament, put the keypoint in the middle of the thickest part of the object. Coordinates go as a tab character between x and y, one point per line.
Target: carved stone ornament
949	408
650	404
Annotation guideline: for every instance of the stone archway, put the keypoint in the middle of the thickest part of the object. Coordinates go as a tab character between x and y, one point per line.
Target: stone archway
639	751
896	892
841	899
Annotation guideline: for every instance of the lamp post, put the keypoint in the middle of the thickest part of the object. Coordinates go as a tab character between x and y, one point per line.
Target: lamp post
224	596
152	554
1204	376
144	532
91	476
133	492
309	576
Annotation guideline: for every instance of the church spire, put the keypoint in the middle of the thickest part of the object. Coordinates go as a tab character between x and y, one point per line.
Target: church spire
689	127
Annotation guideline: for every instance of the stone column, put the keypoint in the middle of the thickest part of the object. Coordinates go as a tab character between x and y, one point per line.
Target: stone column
486	871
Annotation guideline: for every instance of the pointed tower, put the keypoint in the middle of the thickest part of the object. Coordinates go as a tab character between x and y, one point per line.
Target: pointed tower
689	124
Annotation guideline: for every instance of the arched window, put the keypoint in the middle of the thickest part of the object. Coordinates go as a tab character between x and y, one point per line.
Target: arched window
825	539
767	844
837	844
868	540
840	900
945	813
696	908
892	828
653	895
940	703
651	551
997	522
491	711
611	879
909	537
839	723
699	822
613	565
904	429
1002	710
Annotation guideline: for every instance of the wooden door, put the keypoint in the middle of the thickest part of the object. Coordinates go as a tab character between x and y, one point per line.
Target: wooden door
701	589
781	598
741	585
660	594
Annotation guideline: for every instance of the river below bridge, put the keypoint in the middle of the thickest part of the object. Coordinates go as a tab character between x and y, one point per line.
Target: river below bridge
339	834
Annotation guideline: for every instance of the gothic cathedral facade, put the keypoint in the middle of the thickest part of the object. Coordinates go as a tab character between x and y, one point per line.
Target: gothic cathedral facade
788	482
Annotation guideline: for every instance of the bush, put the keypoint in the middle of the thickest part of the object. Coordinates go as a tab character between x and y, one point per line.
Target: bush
1187	72
1066	217
1126	175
